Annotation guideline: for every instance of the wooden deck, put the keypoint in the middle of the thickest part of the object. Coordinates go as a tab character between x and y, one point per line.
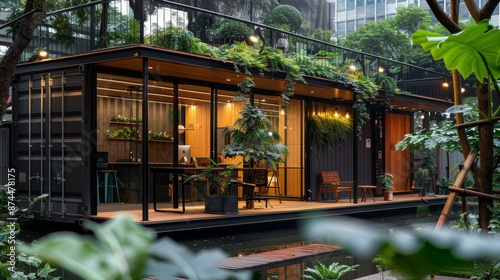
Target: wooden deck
287	210
277	257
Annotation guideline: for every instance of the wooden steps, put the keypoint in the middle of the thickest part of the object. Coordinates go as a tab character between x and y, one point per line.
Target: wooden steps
277	257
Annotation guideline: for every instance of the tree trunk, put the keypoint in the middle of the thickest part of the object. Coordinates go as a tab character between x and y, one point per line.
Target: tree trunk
103	42
484	173
22	38
484	176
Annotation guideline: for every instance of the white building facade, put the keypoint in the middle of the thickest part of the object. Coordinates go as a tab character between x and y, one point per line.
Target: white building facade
349	15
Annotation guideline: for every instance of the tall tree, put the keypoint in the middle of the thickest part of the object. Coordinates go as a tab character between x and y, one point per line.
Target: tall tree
484	167
32	14
380	38
29	15
390	38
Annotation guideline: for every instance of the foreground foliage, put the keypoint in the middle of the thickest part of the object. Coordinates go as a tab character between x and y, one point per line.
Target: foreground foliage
123	250
412	254
12	264
331	272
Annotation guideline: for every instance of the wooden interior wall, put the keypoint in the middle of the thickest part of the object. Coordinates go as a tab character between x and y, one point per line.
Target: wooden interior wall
227	114
294	142
397	162
197	133
160	151
198	129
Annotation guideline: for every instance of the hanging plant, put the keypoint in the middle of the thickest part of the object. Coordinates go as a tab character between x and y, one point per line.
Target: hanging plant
329	130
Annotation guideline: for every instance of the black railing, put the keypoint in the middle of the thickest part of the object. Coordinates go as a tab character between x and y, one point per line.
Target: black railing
122	28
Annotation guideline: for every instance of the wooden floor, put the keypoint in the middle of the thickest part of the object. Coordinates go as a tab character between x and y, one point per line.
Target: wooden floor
195	218
273	258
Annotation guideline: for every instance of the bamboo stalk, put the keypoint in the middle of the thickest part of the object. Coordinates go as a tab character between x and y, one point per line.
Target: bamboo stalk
453	194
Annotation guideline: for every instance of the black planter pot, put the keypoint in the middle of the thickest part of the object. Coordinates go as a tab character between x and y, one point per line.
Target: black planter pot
216	204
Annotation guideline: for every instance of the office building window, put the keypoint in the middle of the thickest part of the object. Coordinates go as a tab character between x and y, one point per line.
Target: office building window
350	4
350	26
341	5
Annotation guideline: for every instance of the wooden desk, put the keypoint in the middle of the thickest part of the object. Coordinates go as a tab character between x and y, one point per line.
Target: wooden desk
367	190
188	169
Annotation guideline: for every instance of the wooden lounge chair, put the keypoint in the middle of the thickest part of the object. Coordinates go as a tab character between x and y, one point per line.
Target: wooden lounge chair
332	178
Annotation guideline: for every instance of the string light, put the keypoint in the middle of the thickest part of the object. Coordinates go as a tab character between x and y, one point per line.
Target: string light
336	113
347	116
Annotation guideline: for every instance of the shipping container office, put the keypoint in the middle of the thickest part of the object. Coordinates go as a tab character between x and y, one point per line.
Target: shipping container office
64	110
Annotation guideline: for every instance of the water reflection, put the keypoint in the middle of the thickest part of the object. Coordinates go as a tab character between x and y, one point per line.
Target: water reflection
248	241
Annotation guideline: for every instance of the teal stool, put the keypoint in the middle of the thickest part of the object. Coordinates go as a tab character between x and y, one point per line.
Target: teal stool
109	179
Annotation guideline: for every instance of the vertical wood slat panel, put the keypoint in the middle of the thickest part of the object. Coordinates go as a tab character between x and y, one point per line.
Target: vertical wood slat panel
397	162
120	149
198	129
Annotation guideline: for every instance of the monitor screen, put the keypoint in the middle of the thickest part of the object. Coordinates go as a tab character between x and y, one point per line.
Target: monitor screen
184	153
102	160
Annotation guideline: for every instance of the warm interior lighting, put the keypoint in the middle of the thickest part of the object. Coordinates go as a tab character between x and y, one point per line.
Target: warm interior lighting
42	52
336	113
181	129
282	111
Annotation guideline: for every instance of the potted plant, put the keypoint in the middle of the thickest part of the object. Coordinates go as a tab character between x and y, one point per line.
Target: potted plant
423	180
220	199
254	138
386	180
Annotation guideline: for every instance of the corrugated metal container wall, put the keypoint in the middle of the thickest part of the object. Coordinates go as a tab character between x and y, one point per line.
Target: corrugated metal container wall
50	143
4	155
339	158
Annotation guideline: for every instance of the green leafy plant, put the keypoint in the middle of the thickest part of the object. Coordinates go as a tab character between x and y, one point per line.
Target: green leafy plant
124	133
285	17
121	118
14	265
122	249
254	138
159	136
467	222
387	83
329	130
413	254
386	180
486	269
177	38
332	272
231	28
218	180
277	60
443	184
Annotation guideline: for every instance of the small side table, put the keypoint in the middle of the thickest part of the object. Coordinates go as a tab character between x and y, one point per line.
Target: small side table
367	190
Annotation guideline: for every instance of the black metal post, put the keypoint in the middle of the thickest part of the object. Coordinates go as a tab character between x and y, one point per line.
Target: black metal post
145	160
